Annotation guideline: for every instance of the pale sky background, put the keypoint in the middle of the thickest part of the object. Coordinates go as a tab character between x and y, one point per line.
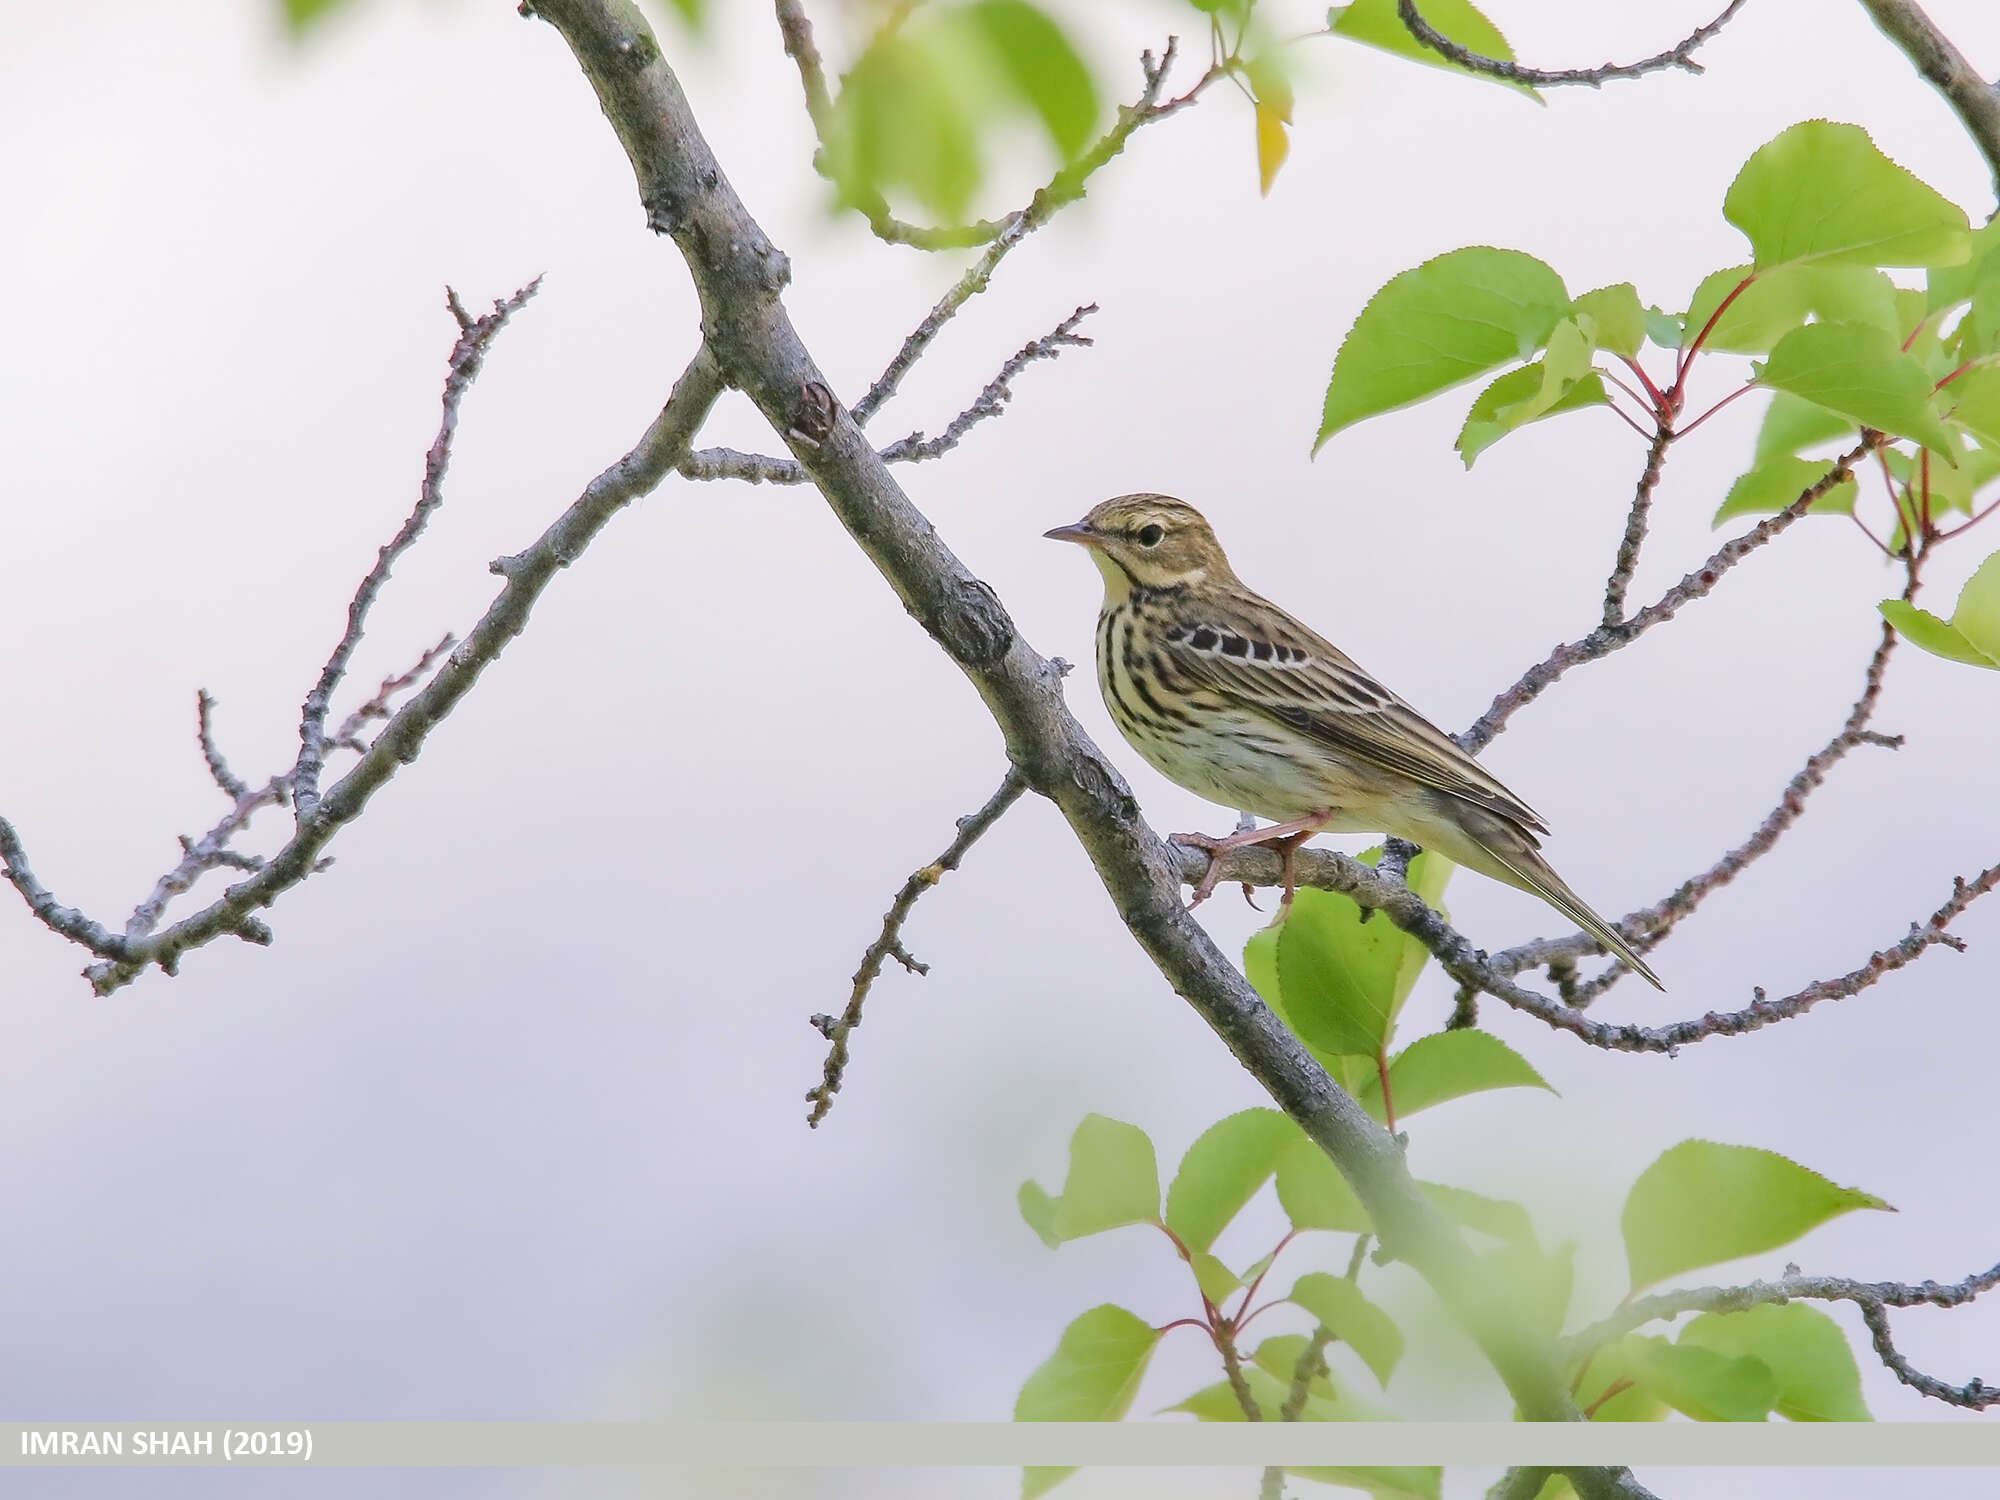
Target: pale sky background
508	1123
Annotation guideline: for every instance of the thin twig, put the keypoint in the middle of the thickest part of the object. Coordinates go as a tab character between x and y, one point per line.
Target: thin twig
1680	55
757	468
1606	639
1635	529
1873	1298
1232	1367
1649	926
475	335
204	711
889	944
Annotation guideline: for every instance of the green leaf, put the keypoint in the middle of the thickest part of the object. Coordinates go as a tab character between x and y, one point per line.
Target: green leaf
1509	404
1113	1179
1278	1357
1708	1386
1338	1303
1382	1483
1037	1480
692	12
1948	286
1777	484
1498	1217
1375	23
1042	67
1314	1194
1269	1378
1757	317
1803	1348
1039	1209
1623	1359
899	122
1863	373
1972	635
1216	1280
1973	401
1701	1203
1448	321
1345	980
1448	1065
301	15
1663	328
1222	1171
1620	320
1260	966
1950	489
1822	192
1094	1372
1856	294
1792	423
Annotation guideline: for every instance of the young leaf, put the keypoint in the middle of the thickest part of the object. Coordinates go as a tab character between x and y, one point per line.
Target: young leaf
1383	1484
898	122
1091	1377
1708	1386
1619	322
1222	1171
1041	66
1448	321
1216	1280
1039	1209
1260	967
1948	286
1344	980
1974	403
1338	1303
1314	1194
1270	1382
1754	318
1863	373
1278	1357
1950	489
1112	1180
1621	1360
1375	23
1510	393
1273	146
1448	1065
1803	1348
1972	635
1822	192
1777	483
1664	329
1701	1203
1792	423
1537	1282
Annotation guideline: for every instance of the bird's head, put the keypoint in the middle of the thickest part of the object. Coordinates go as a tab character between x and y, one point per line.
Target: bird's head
1148	541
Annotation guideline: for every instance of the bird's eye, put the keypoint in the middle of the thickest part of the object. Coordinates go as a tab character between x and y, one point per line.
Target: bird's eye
1149	535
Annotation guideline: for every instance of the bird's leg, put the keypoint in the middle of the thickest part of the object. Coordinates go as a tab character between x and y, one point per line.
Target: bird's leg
1287	837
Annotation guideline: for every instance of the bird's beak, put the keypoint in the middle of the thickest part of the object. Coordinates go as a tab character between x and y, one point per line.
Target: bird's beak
1080	533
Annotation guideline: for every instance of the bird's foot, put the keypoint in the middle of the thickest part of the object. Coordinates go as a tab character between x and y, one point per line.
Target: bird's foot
1285	837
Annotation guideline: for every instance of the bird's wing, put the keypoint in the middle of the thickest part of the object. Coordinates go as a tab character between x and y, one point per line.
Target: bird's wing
1254	655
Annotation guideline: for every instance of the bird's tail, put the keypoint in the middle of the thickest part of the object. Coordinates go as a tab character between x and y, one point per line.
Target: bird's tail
1516	861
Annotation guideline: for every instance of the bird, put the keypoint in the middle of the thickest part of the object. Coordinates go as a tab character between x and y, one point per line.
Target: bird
1233	698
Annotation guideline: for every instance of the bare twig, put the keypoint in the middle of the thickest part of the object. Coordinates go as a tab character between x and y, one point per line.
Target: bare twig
1519	1483
757	468
475	335
889	944
1065	188
1650	926
1606	639
1272	1485
1873	1298
662	446
1635	529
1680	55
1931	52
1232	1367
1310	1366
204	711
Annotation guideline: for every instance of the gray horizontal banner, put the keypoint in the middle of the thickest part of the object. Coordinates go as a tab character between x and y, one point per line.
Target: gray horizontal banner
896	1444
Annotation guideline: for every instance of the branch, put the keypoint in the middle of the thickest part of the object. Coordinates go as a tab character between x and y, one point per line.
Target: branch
204	709
727	463
663	445
759	351
890	943
1930	51
1608	638
1635	529
475	335
1873	1298
1680	55
1519	1483
1649	927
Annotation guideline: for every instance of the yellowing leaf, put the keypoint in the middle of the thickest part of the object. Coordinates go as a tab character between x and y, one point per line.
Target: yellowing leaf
1273	145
